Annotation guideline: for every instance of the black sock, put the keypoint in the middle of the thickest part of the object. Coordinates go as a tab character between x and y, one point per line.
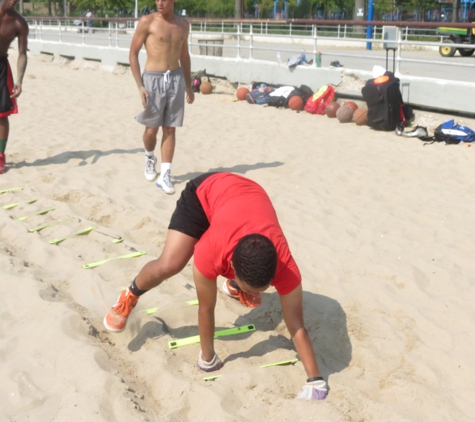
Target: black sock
135	290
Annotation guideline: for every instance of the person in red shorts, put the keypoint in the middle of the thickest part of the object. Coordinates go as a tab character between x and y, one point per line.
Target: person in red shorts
12	25
230	226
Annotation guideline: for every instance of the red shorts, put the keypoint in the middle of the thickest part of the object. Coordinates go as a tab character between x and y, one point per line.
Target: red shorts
8	105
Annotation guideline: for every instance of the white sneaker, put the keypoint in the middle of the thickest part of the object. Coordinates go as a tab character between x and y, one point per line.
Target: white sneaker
165	183
150	172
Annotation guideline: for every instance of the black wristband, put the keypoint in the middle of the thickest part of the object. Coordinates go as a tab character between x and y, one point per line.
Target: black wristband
315	379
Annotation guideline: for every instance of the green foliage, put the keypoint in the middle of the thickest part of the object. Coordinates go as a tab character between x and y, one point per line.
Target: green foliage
225	8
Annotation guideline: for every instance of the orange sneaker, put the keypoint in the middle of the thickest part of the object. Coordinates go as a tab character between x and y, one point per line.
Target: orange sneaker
2	163
116	319
250	300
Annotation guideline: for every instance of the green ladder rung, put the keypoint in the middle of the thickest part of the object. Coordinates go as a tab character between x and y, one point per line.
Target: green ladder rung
222	333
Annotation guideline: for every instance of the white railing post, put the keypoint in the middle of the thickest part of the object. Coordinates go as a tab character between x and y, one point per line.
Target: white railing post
338	32
250	41
399	47
314	31
290	29
238	40
60	34
190	39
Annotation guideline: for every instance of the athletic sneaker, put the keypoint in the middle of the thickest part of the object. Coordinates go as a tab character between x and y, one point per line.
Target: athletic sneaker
116	319
150	172
2	163
250	300
165	183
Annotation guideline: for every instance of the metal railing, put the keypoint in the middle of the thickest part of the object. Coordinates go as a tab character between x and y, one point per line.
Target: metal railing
114	33
292	29
255	39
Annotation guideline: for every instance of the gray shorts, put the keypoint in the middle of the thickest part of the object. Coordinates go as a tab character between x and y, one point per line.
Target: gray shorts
166	99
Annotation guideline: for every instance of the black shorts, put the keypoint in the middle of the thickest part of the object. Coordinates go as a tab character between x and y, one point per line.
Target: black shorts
189	217
7	104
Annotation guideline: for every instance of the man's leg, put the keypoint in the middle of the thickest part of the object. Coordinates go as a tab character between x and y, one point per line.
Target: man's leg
149	143
167	150
177	251
4	131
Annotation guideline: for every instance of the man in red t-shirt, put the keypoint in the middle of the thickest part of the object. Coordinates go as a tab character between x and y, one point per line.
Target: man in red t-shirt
230	226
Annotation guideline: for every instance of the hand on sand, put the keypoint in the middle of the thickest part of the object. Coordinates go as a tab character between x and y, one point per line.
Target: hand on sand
214	365
315	390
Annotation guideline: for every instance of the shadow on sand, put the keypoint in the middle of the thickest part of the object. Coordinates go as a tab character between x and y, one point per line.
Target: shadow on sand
96	154
325	321
238	168
64	157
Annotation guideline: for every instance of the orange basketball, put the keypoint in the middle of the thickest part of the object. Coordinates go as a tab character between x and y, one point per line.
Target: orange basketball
360	116
206	88
331	109
344	114
296	103
351	104
241	93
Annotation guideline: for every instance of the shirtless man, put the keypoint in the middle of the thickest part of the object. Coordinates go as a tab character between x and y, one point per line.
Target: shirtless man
163	84
12	25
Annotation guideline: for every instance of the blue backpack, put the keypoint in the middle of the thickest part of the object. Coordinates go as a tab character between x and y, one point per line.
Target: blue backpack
451	133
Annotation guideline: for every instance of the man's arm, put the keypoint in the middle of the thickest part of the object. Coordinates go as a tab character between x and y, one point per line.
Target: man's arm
185	63
293	317
207	292
22	57
137	42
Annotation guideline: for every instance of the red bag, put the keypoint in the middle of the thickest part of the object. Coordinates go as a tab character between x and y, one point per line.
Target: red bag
317	102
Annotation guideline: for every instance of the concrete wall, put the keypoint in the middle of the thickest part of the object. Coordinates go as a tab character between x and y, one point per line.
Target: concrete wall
431	93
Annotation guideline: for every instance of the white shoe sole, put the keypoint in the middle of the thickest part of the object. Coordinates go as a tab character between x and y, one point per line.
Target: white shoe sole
151	177
225	290
112	330
165	189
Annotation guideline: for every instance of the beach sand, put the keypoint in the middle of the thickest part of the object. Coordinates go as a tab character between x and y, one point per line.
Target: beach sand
380	226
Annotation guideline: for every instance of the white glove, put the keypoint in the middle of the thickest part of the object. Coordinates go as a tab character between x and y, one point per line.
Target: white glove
314	390
214	365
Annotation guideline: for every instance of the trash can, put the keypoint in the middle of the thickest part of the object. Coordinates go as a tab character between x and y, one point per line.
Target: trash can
213	47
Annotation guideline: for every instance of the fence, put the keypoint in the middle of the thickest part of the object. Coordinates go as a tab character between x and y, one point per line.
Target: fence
262	40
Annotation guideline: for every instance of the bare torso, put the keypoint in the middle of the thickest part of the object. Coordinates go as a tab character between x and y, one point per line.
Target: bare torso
11	24
164	42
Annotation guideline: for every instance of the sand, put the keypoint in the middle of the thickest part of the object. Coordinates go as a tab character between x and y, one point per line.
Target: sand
380	226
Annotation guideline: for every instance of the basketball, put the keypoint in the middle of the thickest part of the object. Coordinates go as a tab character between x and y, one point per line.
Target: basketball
206	88
351	104
296	103
360	116
344	114
241	93
331	109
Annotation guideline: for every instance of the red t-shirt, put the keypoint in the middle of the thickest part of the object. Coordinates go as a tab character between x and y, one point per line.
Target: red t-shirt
235	207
